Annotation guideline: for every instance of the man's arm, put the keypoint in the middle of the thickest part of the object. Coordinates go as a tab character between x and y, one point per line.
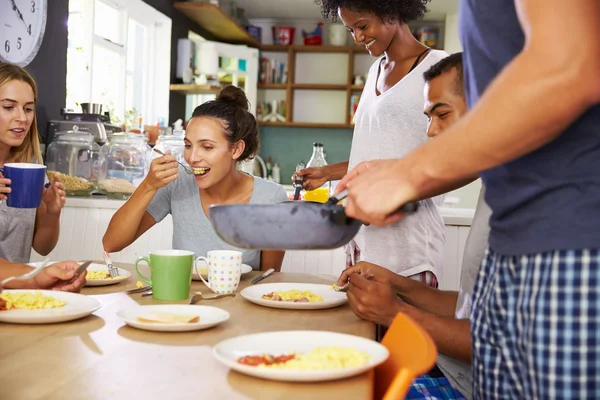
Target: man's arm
8	269
451	336
552	82
438	302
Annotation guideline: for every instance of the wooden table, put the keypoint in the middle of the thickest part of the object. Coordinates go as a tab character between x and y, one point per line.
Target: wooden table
99	357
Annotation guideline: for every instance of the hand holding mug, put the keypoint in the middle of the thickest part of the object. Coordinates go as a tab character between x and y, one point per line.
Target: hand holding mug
54	196
4	187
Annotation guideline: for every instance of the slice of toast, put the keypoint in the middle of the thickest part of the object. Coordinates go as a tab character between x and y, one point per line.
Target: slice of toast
167	318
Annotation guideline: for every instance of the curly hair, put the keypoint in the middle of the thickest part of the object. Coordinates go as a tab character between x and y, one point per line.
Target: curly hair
388	10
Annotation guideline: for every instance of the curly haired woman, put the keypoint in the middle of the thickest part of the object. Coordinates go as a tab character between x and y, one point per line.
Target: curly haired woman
389	123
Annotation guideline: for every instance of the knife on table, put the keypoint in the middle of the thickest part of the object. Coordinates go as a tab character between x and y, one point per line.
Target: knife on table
263	276
82	268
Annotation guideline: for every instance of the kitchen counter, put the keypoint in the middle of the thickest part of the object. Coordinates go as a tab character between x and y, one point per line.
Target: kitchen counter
85	220
451	216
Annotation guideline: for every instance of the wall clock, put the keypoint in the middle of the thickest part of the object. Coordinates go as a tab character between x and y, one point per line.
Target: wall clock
22	27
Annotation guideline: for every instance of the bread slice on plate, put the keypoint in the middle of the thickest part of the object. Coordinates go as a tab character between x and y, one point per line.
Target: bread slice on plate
167	318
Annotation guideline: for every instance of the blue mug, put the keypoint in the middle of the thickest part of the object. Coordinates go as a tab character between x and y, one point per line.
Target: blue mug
26	184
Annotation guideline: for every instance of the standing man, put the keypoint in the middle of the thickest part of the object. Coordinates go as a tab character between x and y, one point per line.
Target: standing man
532	73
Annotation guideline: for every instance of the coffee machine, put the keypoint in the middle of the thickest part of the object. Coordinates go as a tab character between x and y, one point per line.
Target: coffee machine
96	123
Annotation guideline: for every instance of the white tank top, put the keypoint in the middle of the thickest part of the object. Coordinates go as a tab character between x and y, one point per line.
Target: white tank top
387	126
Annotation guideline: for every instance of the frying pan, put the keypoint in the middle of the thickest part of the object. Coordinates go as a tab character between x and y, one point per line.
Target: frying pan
291	225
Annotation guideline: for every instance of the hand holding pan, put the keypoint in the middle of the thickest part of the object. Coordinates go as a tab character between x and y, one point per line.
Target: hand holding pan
293	225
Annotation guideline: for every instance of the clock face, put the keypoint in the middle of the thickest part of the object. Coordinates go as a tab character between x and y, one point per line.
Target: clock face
22	26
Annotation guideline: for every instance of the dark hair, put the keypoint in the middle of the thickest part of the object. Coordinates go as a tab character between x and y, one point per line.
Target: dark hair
232	108
388	10
447	64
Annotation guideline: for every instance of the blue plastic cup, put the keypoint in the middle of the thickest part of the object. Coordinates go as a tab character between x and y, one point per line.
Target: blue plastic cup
26	184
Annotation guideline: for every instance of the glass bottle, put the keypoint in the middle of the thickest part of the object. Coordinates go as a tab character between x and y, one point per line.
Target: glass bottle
320	194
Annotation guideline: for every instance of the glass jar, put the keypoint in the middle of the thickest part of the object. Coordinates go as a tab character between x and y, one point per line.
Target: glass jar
124	163
173	143
74	157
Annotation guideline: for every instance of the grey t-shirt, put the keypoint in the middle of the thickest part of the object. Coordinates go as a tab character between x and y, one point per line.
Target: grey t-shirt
192	230
16	232
458	373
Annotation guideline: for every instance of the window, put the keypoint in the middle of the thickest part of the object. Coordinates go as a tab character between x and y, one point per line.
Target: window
110	59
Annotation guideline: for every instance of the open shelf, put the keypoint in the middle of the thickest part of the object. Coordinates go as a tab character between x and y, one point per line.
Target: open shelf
317	86
214	20
274	48
281	86
307	125
312	49
293	89
195	89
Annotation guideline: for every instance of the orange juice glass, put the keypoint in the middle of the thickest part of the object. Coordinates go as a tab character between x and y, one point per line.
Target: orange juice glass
320	195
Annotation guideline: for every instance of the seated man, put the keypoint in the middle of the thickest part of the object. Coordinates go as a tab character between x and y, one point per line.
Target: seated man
376	294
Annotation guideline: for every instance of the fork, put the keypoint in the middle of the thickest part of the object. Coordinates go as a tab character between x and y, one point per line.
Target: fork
198	296
111	270
185	168
28	275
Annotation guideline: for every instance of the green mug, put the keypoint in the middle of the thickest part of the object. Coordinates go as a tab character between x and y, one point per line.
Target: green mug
171	272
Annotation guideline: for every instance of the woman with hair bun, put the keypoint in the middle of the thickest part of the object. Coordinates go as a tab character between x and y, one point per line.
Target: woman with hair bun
221	133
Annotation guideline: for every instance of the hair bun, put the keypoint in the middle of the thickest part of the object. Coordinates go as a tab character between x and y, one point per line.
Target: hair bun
235	95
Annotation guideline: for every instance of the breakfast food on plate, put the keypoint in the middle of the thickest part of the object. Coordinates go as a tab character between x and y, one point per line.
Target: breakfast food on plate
200	171
296	296
116	185
72	183
95	275
320	358
29	301
166	318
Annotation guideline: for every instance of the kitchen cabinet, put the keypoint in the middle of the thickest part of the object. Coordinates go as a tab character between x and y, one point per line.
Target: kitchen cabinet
84	222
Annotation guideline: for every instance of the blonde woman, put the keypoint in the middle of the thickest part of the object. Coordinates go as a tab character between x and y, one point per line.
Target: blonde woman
24	228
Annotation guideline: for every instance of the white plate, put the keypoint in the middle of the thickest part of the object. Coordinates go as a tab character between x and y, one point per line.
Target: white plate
123	274
77	306
278	343
202	265
209	317
254	293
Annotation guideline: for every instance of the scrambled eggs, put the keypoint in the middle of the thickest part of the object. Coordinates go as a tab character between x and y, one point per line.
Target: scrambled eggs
92	275
324	358
30	300
139	284
293	295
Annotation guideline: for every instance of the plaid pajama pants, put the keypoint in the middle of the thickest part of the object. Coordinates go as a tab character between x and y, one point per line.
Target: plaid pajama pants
428	388
535	324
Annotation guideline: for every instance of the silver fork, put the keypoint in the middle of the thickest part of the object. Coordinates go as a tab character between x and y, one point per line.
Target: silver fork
198	296
185	168
111	270
28	275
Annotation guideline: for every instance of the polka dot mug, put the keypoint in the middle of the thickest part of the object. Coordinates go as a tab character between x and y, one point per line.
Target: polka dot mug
224	270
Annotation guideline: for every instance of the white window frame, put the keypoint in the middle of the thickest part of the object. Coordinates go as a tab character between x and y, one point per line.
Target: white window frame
157	70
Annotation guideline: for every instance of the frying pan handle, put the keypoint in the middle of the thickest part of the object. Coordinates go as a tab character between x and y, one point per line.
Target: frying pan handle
410	207
339	216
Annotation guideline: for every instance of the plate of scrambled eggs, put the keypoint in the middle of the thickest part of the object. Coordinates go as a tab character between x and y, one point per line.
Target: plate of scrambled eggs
45	306
296	296
300	356
97	275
